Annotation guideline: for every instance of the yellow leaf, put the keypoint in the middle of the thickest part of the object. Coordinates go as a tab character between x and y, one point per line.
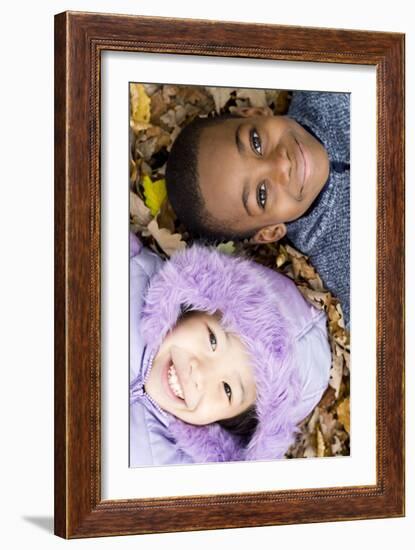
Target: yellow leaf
155	193
226	248
343	414
140	105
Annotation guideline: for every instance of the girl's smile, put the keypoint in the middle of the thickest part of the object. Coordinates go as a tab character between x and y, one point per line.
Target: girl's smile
201	374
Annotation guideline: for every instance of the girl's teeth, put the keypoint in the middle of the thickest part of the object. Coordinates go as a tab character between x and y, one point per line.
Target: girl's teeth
174	382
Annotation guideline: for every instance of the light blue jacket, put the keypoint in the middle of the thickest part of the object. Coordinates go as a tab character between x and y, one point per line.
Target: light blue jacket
150	440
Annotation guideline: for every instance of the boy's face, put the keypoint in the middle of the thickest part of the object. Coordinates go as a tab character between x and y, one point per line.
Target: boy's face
259	171
201	374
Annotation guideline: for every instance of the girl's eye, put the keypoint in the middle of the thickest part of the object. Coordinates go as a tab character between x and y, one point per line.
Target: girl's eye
262	195
255	142
228	391
212	339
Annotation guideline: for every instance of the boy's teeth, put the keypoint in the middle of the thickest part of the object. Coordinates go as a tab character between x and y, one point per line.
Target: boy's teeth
174	382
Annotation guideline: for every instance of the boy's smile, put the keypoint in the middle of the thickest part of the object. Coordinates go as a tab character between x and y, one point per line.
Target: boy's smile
258	172
201	374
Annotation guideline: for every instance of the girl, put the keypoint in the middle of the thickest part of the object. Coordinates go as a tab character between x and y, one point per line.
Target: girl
226	358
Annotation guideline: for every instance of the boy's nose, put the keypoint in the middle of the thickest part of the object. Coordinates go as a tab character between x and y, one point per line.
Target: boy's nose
279	166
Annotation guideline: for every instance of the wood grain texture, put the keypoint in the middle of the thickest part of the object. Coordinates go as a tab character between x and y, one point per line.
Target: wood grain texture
60	278
79	40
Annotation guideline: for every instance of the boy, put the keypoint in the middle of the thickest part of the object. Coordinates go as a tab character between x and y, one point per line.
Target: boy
259	176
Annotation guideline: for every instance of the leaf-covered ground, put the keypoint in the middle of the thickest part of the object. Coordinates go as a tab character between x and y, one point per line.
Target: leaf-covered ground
157	114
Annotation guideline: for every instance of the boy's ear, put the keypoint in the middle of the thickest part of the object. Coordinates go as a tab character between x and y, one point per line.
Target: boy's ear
252	111
270	234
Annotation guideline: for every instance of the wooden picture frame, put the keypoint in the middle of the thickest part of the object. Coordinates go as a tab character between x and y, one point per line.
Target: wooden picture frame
79	40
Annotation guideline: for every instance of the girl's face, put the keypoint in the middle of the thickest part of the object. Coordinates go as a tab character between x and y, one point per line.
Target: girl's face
201	374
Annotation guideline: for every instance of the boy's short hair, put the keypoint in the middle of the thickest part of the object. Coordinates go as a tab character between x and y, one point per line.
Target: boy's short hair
183	189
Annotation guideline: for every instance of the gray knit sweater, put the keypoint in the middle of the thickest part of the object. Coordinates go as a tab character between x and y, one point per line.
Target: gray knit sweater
323	232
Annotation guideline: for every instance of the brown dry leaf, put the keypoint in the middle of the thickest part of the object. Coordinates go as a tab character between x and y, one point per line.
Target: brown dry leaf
337	446
169	119
169	242
307	271
282	257
162	137
154	131
144	168
310	450
181	114
346	357
321	447
343	414
336	324
341	337
334	316
158	107
150	142
316	283
161	171
303	269
340	312
293	252
280	100
239	103
328	425
312	423
296	266
307	446
220	96
336	371
145	149
328	398
151	89
197	96
140	214
133	172
169	91
166	217
316	298
176	131
257	98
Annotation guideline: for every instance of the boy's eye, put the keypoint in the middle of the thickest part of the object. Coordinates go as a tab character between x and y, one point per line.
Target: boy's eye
212	339
255	142
262	195
228	391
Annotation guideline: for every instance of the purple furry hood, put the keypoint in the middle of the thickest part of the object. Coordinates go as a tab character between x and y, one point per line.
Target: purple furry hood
267	312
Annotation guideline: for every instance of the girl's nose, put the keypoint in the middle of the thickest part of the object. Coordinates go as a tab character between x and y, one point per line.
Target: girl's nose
202	372
197	373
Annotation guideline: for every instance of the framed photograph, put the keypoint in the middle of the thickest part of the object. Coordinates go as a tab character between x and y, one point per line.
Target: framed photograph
299	135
